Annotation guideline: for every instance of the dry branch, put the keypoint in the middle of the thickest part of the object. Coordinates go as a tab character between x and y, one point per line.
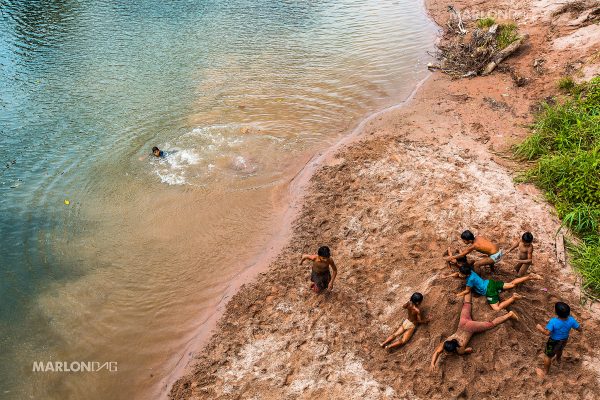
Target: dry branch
504	53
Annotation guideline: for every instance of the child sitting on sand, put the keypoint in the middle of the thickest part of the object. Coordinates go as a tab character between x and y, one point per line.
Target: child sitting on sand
457	343
525	245
482	245
320	276
558	329
490	288
409	324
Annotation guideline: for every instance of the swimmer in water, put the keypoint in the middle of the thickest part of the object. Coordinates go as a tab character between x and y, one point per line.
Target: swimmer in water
156	152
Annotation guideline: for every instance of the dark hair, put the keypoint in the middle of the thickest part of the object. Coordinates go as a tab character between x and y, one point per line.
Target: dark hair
527	237
467	235
465	269
562	309
462	261
416	298
155	149
451	345
324	252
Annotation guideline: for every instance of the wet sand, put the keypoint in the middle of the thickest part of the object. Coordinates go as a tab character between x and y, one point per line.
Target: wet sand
388	203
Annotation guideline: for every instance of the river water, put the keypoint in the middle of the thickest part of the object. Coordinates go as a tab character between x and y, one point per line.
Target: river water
238	93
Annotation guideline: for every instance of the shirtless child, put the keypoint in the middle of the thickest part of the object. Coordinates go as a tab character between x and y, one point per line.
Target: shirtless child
320	276
482	245
408	326
525	245
457	343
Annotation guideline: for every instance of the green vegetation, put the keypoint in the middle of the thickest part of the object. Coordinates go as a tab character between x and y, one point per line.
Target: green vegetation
483	23
566	84
566	147
506	35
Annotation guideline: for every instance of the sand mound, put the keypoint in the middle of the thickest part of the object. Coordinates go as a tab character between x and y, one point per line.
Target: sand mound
400	203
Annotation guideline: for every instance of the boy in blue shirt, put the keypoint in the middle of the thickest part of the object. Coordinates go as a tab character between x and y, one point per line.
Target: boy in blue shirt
490	288
558	329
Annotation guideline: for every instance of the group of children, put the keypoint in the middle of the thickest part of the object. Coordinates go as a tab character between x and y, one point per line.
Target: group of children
557	329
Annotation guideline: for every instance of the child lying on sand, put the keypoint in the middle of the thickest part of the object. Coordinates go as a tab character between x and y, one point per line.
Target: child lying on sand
457	343
525	245
482	245
320	276
558	329
490	288
408	326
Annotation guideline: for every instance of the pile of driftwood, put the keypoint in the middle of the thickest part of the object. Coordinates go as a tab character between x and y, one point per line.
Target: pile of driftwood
467	50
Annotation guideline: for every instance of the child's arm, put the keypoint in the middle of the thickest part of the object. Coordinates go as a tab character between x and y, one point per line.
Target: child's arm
529	256
452	275
514	246
406	304
436	356
462	351
465	292
461	254
306	257
333	275
542	330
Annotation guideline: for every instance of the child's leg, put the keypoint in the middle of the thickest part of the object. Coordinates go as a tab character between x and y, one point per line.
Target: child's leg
503	304
405	338
481	326
518	281
499	320
523	270
518	266
394	335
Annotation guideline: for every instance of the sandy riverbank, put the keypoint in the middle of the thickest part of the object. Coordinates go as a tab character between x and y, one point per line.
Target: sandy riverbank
387	205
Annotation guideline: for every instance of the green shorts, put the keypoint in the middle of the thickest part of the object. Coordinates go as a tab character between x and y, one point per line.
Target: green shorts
555	346
493	291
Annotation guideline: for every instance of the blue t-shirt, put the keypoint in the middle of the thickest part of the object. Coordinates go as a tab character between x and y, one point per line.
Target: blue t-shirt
479	285
559	329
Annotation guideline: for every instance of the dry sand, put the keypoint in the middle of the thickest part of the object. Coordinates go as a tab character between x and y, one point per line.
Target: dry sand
388	204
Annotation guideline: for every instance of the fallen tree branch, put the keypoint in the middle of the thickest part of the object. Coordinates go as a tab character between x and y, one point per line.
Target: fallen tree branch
460	24
503	54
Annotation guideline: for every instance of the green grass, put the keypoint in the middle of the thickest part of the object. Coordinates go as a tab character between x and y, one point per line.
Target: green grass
565	145
483	23
566	84
507	34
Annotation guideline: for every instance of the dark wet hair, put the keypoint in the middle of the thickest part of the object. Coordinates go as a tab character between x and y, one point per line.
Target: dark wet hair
467	235
562	309
324	252
465	269
416	298
451	345
155	149
527	237
462	261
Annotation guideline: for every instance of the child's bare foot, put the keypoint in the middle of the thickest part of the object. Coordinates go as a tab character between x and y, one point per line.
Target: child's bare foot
535	276
514	315
517	296
382	344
